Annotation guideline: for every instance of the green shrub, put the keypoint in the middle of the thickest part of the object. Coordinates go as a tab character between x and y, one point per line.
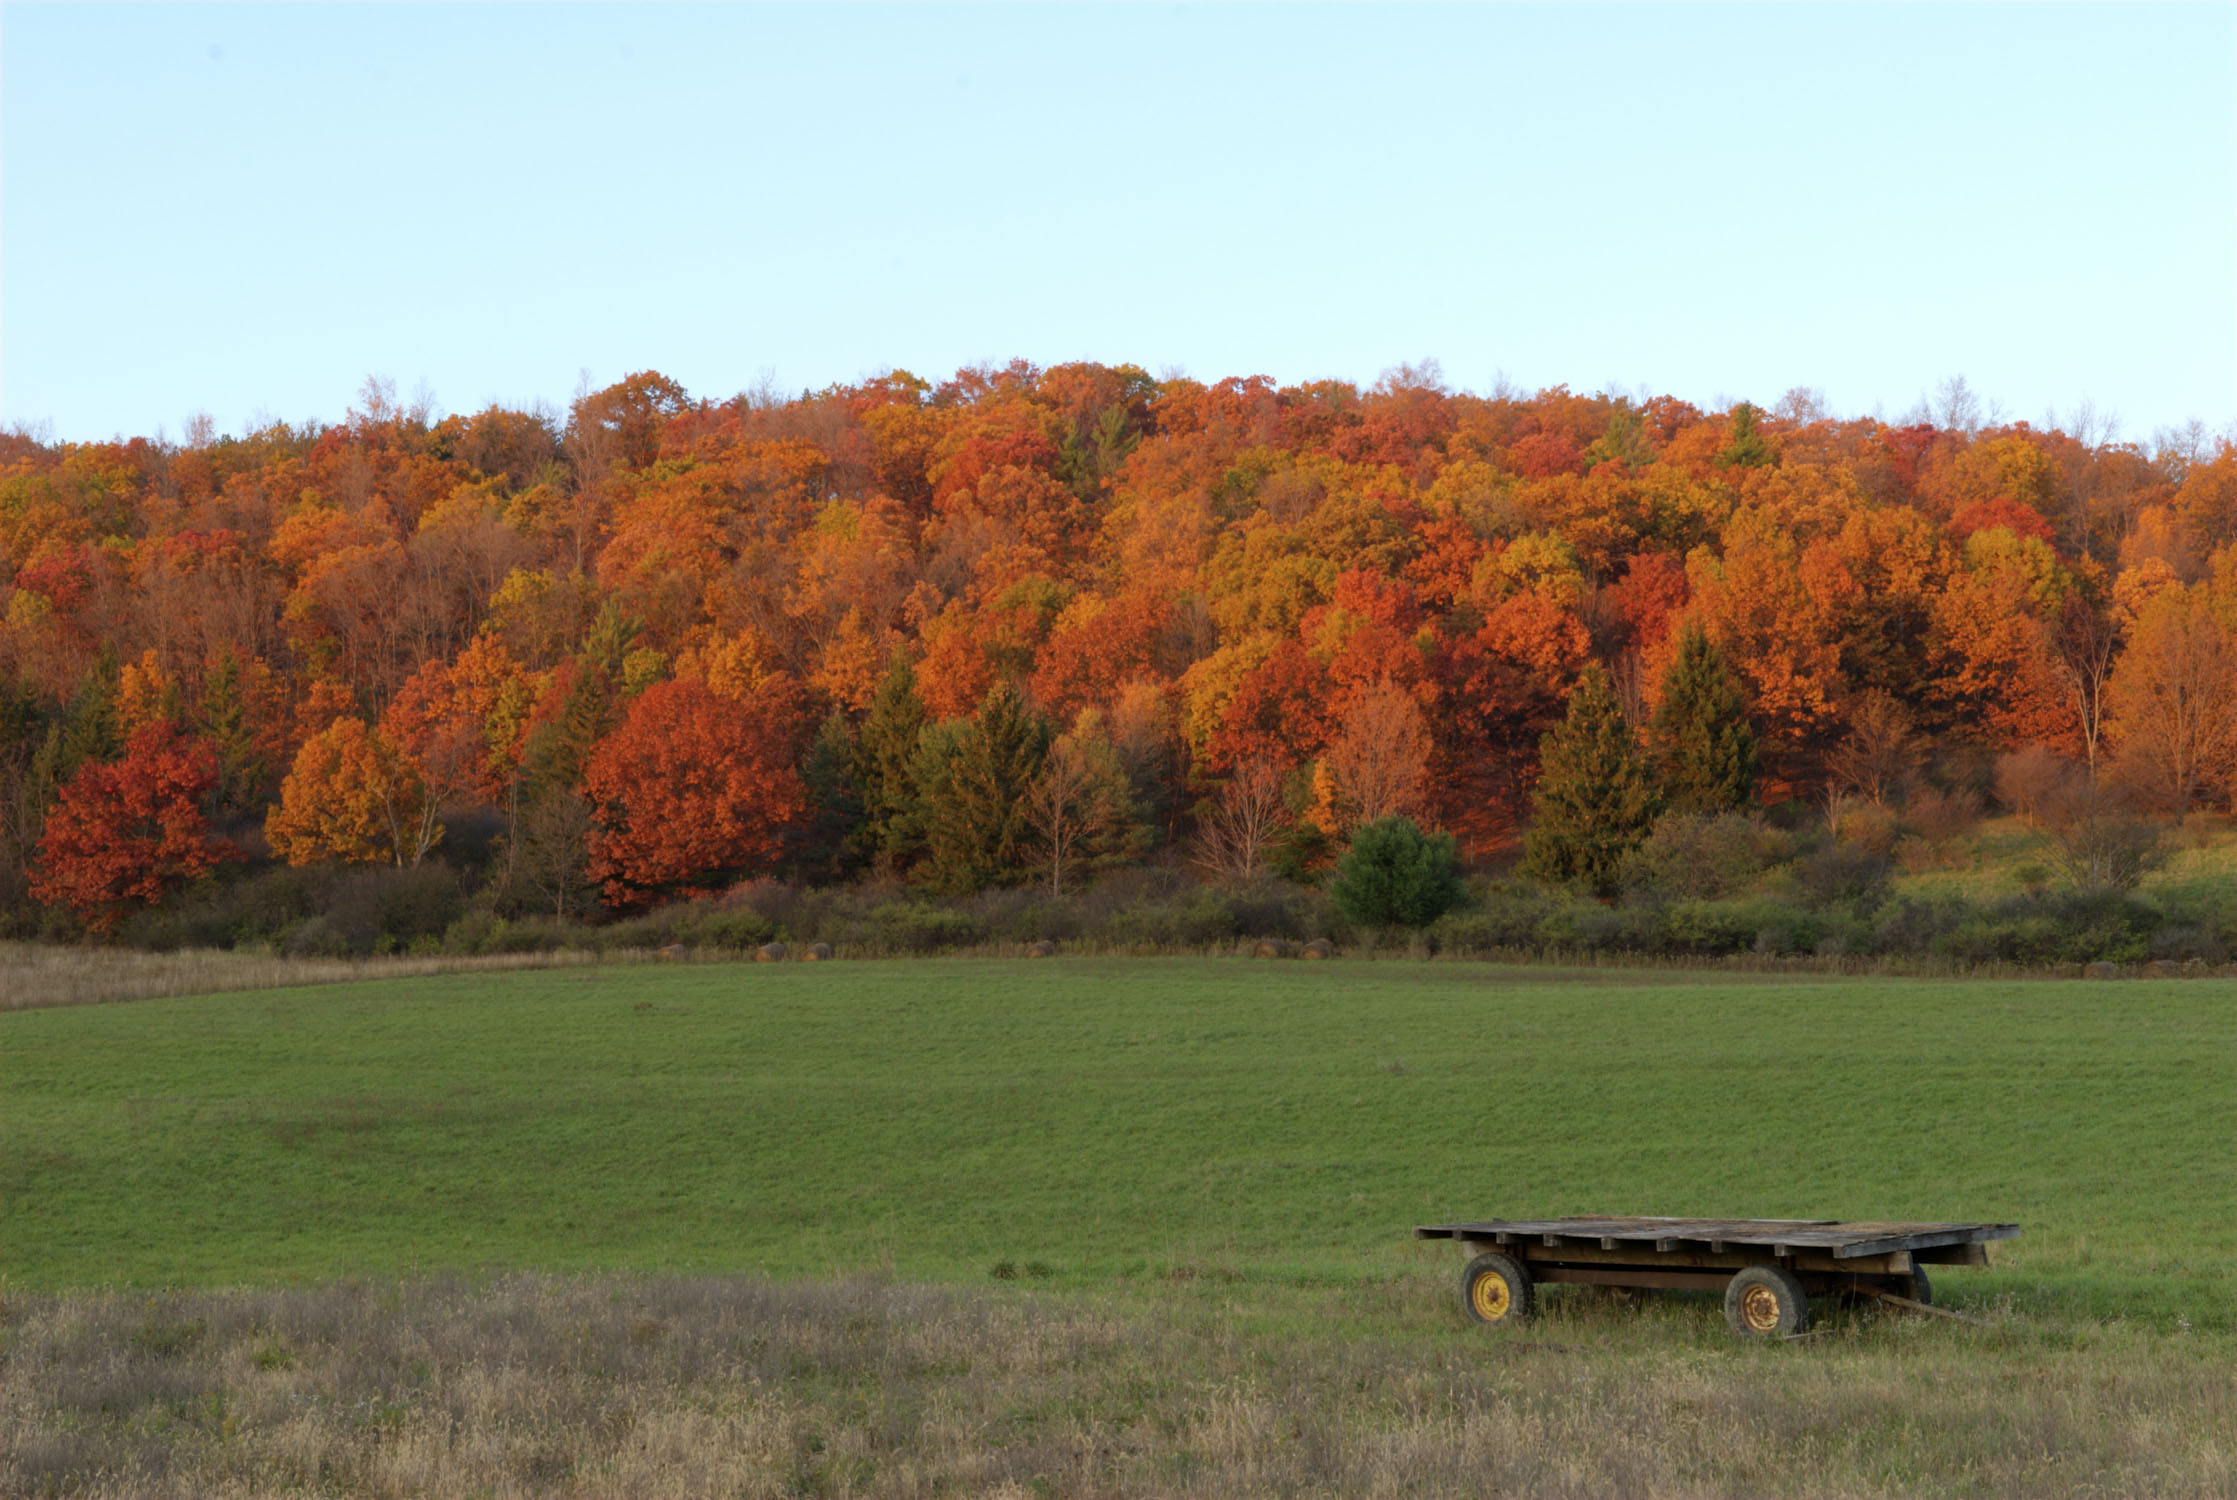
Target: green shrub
916	928
1707	928
2184	941
2065	927
1702	856
1394	874
1846	874
1915	924
1190	918
1583	925
1506	917
697	924
316	937
1785	932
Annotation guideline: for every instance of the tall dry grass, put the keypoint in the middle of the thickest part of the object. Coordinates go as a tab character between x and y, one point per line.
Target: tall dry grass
43	974
652	1387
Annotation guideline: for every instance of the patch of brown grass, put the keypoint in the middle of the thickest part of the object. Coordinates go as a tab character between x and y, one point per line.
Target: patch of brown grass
34	975
705	1386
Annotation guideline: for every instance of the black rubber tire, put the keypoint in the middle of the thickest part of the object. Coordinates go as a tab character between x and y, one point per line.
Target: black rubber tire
1495	1289
1920	1289
1766	1302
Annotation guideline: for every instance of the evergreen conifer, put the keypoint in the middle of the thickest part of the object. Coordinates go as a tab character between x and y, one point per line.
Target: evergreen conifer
972	784
221	719
1596	797
830	848
1703	743
90	729
1396	874
884	769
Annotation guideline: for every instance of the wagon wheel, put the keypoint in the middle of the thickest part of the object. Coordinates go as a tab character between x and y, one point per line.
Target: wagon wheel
1496	1289
1766	1302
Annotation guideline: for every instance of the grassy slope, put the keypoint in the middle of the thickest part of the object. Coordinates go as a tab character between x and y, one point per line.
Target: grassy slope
1281	1121
1988	863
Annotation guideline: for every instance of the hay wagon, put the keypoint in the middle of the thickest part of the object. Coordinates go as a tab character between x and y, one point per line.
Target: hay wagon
1768	1269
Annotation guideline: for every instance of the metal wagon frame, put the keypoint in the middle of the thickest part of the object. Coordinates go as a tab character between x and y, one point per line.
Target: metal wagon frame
1768	1269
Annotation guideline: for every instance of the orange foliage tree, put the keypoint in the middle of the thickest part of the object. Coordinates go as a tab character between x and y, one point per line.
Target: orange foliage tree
692	789
1224	571
353	796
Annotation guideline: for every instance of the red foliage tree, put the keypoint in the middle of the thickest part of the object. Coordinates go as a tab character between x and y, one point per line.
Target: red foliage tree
1096	647
127	832
1279	714
692	788
2015	516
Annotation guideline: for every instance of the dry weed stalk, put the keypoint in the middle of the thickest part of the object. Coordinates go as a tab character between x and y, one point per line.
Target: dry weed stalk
652	1387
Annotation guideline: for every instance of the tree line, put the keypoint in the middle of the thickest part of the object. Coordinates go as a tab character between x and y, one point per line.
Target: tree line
1030	625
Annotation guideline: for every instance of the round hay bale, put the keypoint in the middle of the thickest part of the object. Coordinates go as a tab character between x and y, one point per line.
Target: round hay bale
2164	968
770	953
1270	948
815	953
1320	948
2101	970
1042	949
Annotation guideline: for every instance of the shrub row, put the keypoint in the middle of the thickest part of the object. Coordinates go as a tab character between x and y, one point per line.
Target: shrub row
352	911
2037	929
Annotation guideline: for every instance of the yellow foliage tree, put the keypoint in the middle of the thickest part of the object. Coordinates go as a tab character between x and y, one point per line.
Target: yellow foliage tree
351	796
146	695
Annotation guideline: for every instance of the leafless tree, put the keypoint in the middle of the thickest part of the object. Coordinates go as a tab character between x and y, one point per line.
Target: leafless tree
1061	806
2027	778
552	831
2085	642
1801	405
1956	408
1938	818
1881	752
2097	839
1244	822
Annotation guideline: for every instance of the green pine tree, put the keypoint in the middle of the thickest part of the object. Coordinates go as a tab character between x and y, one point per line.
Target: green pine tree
973	779
1596	797
1703	743
30	743
1747	450
558	749
612	634
884	769
1395	874
830	848
90	731
221	719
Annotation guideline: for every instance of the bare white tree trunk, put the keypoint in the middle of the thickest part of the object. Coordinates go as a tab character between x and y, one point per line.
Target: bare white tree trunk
1233	840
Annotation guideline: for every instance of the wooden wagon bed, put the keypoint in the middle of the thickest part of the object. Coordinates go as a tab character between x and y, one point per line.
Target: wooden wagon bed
1768	1267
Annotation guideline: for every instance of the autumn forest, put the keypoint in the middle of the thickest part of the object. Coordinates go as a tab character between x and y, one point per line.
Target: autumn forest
1031	628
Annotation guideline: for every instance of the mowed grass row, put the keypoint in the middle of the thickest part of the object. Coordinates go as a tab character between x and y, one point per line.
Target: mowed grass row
1098	1120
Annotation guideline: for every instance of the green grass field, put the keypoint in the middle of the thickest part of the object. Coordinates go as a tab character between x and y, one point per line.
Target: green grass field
1110	1121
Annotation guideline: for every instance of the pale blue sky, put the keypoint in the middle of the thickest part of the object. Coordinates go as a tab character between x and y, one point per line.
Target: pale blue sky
246	210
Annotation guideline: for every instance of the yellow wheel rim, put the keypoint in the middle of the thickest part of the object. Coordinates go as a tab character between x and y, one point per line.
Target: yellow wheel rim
1760	1308
1490	1297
